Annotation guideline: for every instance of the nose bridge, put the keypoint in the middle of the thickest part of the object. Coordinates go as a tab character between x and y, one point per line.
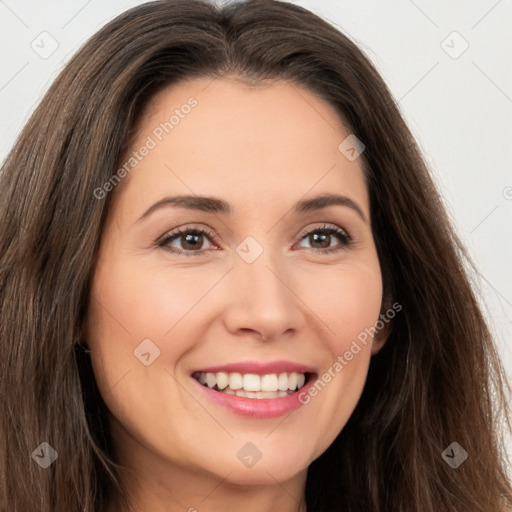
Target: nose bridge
261	298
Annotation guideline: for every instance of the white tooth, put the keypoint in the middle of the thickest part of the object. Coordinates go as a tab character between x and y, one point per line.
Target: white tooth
222	380
292	381
235	381
252	385
269	394
211	380
256	394
251	382
269	382
282	382
202	378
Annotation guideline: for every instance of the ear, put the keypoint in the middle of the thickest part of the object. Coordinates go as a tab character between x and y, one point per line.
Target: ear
81	336
384	325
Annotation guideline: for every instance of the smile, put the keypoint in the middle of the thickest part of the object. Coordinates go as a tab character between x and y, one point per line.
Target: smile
254	389
251	385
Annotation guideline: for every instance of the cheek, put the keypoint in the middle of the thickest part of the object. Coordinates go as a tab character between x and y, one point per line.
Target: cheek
128	307
132	303
347	300
348	303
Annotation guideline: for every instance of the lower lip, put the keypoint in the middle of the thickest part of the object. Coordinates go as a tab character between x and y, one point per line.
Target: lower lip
257	407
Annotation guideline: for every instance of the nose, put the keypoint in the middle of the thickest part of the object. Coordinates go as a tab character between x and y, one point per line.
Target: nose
263	299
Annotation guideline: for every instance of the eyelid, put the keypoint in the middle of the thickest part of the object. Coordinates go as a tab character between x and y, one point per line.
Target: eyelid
323	226
181	230
205	230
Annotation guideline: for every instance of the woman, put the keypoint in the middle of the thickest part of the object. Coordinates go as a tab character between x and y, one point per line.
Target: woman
228	282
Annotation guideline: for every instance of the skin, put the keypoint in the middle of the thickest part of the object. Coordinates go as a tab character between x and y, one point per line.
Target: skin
261	149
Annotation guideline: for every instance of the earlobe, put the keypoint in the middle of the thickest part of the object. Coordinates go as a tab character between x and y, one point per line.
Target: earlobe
378	343
383	326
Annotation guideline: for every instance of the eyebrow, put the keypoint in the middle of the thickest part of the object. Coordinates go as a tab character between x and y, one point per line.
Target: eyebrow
216	205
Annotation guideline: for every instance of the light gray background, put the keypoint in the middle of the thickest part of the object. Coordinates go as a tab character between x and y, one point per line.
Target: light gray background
458	106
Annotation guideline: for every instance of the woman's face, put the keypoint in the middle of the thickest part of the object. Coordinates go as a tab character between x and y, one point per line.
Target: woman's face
246	289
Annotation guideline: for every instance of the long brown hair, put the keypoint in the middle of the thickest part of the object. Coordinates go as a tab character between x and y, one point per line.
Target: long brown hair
438	379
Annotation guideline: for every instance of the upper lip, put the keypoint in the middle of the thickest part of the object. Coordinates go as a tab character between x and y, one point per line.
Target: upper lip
258	368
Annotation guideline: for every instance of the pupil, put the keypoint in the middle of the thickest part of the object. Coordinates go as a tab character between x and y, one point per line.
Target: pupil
322	239
192	241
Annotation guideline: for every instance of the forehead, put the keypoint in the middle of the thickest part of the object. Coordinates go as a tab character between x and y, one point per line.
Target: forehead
276	141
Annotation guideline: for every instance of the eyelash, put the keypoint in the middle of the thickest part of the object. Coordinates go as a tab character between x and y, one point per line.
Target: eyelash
326	229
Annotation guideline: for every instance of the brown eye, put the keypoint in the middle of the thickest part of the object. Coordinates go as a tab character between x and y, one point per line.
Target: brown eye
324	238
187	241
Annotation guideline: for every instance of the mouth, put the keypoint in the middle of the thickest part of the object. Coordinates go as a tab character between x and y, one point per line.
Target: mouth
256	389
254	385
